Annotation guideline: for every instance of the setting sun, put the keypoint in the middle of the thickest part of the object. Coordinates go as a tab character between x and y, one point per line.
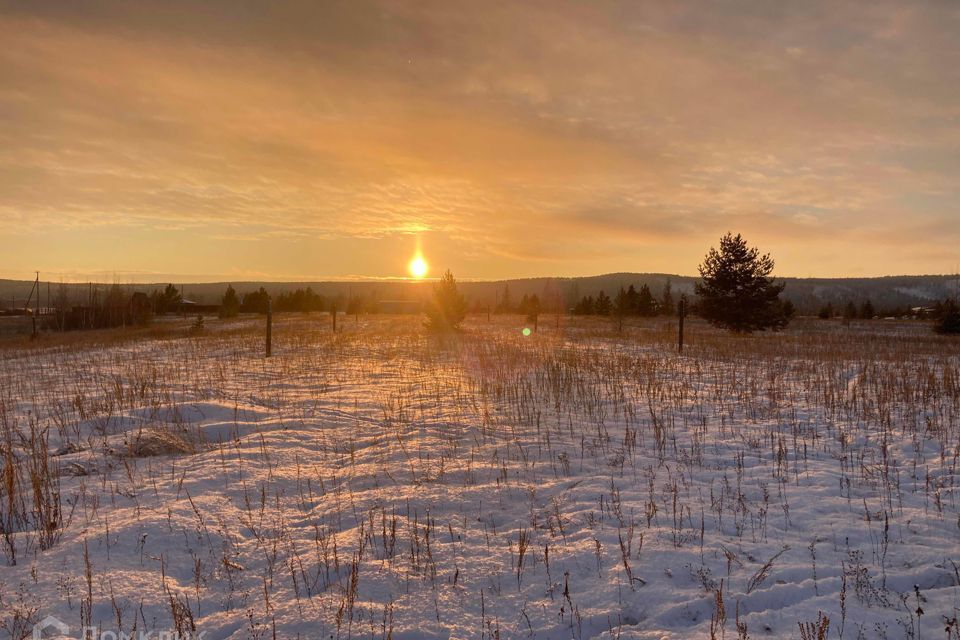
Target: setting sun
418	266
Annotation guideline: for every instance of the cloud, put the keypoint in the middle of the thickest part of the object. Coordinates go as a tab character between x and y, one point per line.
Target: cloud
526	135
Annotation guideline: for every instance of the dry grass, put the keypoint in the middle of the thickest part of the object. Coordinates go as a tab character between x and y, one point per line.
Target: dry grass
683	452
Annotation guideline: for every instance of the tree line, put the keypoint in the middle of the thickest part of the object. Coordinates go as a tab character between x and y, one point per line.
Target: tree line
302	300
629	302
867	311
736	291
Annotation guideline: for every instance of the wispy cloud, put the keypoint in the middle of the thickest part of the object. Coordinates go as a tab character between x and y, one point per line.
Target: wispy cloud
524	138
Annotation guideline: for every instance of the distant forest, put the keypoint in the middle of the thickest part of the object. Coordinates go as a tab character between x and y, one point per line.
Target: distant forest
649	294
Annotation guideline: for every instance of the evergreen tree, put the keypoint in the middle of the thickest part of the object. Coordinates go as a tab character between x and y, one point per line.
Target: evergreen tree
646	305
667	306
621	307
166	300
447	309
230	303
826	312
849	311
524	301
255	301
787	310
172	295
867	311
140	312
585	307
114	306
531	308
603	305
736	290
506	304
633	301
948	318
303	300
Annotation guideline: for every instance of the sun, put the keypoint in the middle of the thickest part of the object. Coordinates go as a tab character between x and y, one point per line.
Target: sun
418	266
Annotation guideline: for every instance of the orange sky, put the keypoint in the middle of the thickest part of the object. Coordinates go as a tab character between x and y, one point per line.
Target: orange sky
287	140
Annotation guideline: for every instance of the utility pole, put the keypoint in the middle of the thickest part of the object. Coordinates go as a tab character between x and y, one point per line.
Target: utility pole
26	305
36	285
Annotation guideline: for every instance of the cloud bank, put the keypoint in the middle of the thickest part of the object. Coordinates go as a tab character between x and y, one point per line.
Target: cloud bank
509	138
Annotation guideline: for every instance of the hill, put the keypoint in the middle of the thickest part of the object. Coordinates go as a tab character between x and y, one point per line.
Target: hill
808	294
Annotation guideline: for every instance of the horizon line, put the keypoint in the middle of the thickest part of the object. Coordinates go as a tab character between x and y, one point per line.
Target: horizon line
196	279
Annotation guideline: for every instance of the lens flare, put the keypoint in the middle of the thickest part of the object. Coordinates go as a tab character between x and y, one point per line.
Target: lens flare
418	266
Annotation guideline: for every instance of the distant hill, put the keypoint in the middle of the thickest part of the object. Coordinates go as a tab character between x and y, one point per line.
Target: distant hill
808	294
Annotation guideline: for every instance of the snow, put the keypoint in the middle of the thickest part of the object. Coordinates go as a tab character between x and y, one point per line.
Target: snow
380	482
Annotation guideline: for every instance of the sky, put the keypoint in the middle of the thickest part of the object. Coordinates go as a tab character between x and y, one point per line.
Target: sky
230	139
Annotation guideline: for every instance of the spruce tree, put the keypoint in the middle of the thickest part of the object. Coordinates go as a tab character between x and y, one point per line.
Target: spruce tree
447	309
667	306
849	311
255	301
621	307
531	308
506	304
736	290
633	300
646	305
787	310
166	300
230	303
585	307
948	321
603	305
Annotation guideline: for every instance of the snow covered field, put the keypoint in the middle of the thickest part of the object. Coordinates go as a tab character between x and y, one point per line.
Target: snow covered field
576	483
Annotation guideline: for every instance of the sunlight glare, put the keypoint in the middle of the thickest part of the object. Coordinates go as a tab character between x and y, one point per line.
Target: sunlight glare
418	266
